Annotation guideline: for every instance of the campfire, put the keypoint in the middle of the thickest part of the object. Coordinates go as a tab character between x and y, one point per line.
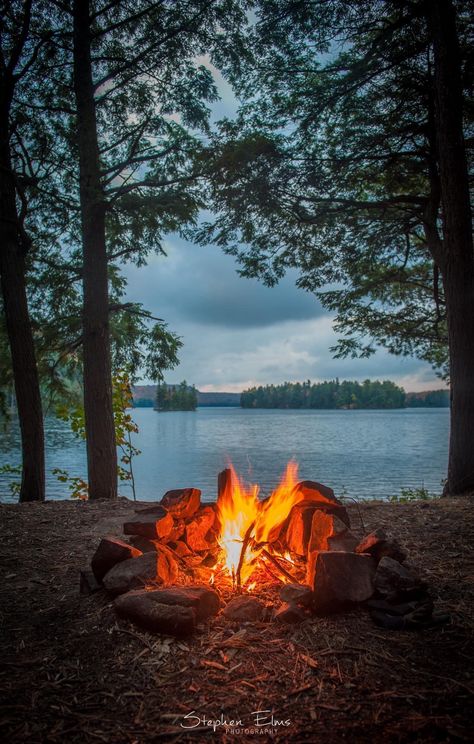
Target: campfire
184	559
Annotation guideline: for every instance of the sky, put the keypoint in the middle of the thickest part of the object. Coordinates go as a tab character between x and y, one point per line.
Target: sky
237	332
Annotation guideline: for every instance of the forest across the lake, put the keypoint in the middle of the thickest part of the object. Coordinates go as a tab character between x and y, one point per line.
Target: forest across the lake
331	394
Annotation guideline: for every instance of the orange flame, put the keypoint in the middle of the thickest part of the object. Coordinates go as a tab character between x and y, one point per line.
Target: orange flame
241	515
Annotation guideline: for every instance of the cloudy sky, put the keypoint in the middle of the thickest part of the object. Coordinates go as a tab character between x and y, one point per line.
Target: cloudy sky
237	333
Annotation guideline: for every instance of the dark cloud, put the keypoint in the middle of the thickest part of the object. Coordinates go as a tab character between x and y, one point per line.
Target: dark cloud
201	284
238	333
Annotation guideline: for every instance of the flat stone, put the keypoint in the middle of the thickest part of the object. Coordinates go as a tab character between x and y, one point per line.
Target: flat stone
157	567
111	551
298	594
156	617
154	525
244	609
339	579
198	528
182	503
423	606
412	621
378	545
289	613
202	599
88	583
392	579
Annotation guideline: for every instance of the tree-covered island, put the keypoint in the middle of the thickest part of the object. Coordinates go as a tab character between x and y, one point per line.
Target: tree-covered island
326	395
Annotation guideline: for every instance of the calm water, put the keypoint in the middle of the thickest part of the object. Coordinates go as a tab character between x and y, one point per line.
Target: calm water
362	453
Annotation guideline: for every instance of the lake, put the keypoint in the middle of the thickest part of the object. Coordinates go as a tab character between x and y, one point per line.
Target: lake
363	454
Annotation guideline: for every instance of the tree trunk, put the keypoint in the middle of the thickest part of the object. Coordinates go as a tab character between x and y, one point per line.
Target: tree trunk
20	335
99	420
458	252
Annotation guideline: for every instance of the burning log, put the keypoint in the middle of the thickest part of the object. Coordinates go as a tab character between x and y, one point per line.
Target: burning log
245	543
278	565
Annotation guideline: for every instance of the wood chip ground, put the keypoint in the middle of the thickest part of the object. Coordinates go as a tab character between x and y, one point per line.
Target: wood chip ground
71	672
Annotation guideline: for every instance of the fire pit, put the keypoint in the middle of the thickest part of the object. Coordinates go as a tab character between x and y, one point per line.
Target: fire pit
185	559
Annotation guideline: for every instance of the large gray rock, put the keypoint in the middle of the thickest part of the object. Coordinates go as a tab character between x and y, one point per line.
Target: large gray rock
111	551
289	613
135	573
142	609
392	579
182	503
298	594
244	609
204	601
154	525
339	579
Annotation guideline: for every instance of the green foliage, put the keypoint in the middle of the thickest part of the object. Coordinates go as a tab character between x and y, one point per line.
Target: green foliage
429	399
122	400
14	485
325	395
78	488
412	494
176	397
125	426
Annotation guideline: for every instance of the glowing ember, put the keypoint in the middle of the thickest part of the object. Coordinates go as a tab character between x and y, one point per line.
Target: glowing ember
246	522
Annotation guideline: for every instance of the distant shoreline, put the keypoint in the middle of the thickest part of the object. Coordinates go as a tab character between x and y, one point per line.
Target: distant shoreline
224	407
144	397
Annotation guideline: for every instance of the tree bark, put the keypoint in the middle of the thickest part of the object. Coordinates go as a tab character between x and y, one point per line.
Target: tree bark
457	266
99	420
18	324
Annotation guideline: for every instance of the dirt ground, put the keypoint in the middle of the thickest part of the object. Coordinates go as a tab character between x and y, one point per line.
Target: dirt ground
71	672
